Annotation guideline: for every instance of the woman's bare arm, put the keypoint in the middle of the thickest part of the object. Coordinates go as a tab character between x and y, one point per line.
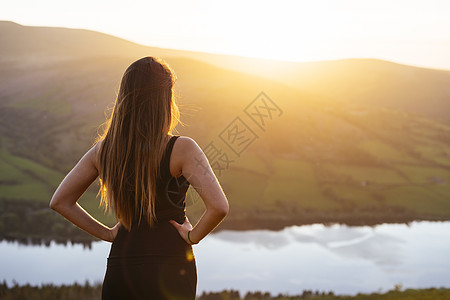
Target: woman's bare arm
195	167
64	201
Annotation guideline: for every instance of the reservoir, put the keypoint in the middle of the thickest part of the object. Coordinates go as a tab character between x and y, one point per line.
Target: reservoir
338	258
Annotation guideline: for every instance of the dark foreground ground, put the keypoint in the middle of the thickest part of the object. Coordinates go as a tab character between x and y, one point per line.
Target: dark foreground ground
87	292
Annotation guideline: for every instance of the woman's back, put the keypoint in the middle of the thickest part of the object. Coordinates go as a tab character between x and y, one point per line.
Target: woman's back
150	253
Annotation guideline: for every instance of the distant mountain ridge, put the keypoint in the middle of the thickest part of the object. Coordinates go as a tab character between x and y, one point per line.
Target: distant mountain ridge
368	81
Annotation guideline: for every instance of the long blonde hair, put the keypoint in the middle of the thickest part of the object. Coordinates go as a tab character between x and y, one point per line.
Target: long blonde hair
134	140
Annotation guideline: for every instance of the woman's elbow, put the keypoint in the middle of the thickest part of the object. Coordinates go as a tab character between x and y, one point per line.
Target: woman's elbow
52	205
55	204
222	210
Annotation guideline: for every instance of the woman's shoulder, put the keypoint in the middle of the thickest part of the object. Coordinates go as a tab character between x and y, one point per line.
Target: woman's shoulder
182	152
185	149
185	139
186	144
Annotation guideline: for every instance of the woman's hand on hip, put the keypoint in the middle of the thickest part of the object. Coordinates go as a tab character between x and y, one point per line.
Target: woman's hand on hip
183	229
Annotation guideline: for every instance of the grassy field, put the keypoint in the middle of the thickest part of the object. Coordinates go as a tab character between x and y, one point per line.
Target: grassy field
363	179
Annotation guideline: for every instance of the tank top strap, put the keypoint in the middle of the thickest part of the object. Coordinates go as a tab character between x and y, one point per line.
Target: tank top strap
170	144
165	165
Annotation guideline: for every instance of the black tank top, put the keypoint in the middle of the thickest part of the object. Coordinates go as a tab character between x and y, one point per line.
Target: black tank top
170	191
144	242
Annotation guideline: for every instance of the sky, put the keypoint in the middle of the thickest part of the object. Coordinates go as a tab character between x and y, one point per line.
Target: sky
414	32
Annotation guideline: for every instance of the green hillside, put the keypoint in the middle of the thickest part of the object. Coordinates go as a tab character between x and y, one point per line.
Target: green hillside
321	158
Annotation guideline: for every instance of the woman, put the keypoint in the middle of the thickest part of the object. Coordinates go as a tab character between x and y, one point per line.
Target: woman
144	174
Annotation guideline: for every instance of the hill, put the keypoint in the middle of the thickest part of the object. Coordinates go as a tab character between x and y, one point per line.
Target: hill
344	144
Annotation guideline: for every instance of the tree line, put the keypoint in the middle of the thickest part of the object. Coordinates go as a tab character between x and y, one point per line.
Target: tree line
89	291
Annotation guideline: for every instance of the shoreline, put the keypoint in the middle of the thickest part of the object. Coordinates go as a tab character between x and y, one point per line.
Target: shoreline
350	220
234	224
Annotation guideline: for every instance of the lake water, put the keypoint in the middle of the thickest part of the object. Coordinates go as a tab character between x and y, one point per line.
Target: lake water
343	259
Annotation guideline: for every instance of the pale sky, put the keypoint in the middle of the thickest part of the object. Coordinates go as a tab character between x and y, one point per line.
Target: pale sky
414	32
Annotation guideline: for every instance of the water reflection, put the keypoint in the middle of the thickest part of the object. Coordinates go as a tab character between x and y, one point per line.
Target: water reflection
339	258
366	242
315	257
